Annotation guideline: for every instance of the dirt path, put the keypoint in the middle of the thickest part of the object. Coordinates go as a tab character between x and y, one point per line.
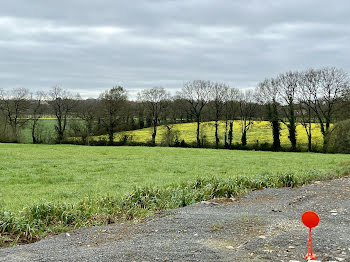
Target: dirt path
262	226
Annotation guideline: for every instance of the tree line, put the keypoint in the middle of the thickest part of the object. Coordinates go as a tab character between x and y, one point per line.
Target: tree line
293	98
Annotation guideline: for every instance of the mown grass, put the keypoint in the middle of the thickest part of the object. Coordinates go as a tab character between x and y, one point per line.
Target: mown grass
48	189
34	173
260	132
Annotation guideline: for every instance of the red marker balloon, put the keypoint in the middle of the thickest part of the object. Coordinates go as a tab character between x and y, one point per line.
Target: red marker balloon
310	219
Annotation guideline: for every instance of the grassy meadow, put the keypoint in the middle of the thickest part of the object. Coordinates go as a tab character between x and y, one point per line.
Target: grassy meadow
260	132
48	189
67	173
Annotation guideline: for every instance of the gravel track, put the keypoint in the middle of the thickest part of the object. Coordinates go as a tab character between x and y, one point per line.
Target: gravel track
264	225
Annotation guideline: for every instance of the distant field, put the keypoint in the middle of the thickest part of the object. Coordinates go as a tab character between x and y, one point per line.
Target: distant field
67	173
46	128
260	132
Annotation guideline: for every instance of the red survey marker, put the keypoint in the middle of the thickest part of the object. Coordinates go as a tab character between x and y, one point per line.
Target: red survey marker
310	219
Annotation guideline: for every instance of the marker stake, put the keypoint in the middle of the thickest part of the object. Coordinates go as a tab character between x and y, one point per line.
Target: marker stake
309	254
310	219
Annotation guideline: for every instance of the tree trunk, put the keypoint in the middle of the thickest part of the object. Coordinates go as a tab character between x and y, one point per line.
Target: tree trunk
327	125
33	132
310	134
230	134
198	140
110	135
60	137
154	132
226	124
244	138
292	135
309	146
292	128
276	135
325	141
216	134
325	134
273	114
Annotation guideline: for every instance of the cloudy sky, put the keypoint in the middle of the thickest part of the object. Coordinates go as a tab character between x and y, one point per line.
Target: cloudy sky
89	46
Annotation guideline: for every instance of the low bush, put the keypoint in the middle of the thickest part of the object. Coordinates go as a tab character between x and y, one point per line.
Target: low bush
339	138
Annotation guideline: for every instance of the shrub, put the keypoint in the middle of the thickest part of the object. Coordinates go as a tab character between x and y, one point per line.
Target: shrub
170	137
339	138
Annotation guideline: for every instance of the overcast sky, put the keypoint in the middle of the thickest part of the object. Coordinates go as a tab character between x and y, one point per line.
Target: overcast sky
89	46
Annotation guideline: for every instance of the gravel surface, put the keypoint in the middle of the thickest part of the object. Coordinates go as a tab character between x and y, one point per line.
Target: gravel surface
264	225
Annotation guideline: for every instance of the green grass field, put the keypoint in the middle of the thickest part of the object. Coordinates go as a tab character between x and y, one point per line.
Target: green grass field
259	132
46	128
66	173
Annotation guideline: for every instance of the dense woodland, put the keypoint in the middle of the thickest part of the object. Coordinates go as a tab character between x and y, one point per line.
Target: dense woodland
293	98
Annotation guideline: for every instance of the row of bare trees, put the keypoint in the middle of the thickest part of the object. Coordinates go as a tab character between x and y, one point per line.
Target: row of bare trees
19	108
223	103
311	96
203	100
291	99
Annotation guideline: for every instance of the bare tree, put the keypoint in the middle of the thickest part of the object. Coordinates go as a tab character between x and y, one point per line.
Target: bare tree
155	101
322	90
112	103
344	112
267	94
287	89
36	112
231	109
86	110
62	104
333	83
309	83
218	97
3	117
247	107
196	93
14	105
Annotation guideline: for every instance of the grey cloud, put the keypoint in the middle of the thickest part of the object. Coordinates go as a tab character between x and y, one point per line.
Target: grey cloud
90	46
